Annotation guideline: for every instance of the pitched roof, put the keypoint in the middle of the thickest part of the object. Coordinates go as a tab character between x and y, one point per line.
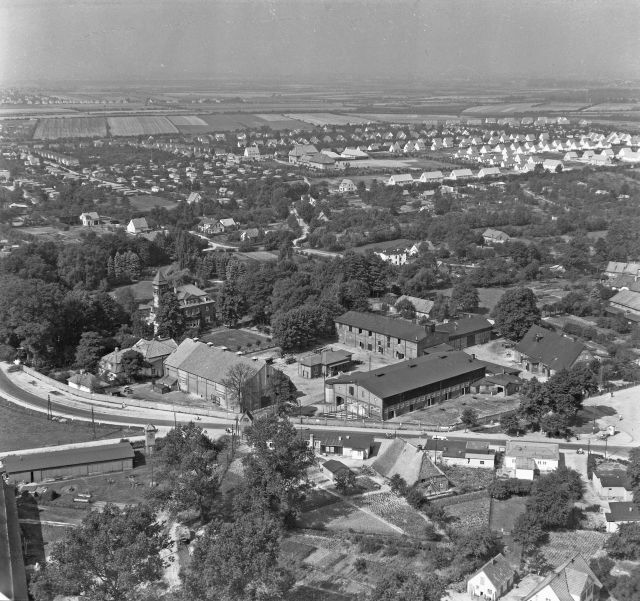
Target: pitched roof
463	327
210	363
553	350
67	457
13	577
335	439
406	460
627	298
152	349
529	450
497	570
421	305
396	328
623	511
407	376
159	279
335	467
87	380
139	223
326	358
567	581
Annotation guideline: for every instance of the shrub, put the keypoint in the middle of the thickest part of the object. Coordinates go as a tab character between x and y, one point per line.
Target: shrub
360	564
369	545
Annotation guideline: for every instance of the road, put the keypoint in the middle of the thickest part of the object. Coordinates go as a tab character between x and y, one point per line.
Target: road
132	416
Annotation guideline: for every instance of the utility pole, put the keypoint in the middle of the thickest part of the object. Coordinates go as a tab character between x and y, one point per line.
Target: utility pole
93	423
49	410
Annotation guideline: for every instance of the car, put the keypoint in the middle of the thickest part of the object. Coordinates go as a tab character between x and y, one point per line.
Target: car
290	360
580	451
438	437
228	430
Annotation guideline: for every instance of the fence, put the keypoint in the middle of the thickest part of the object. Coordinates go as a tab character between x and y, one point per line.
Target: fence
463	498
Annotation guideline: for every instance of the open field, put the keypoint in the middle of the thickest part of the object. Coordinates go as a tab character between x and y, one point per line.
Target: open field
236	340
71	127
341	516
140	126
504	513
328	118
144	202
189	124
24	429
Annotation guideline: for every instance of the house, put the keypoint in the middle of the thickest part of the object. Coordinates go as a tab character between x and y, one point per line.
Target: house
194	198
492	236
199	369
90	219
333	467
469	453
196	304
621	512
489	172
545	353
400	388
87	382
611	483
300	150
208	225
13	576
615	269
422	306
402	458
431	176
153	352
225	225
252	153
396	256
525	459
498	384
252	233
572	581
396	338
626	303
466	332
319	161
77	460
403	179
460	174
326	363
492	580
354	444
138	225
552	165
347	187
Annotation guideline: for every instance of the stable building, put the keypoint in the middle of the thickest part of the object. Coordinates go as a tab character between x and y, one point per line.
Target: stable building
393	390
466	332
396	338
326	363
72	462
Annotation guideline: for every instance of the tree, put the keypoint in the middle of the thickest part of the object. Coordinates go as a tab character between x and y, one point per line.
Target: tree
510	423
555	424
528	532
516	312
627	588
132	362
478	543
625	543
240	385
281	390
601	567
440	309
169	318
398	484
238	560
91	348
108	557
464	297
231	304
537	563
189	472
276	468
469	417
633	472
407	586
406	308
345	480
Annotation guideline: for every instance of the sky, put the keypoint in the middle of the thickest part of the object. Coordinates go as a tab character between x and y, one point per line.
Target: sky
303	40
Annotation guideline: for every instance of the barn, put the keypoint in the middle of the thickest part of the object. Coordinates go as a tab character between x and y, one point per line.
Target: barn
69	462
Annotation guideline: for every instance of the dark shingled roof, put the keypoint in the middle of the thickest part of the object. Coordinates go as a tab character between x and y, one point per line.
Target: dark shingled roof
13	578
464	327
497	570
546	347
416	373
335	467
623	511
396	328
66	457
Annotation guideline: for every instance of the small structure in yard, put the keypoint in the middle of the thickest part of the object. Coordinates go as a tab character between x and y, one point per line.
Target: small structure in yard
469	453
87	382
411	463
621	512
574	579
326	363
69	462
610	482
13	577
333	467
245	421
354	445
524	460
492	580
466	332
498	385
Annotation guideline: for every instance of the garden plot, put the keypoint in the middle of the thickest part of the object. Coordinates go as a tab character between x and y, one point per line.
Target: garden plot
342	516
564	545
140	126
469	514
71	127
393	509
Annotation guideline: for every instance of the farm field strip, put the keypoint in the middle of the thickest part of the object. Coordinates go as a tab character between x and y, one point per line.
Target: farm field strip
327	118
70	127
140	126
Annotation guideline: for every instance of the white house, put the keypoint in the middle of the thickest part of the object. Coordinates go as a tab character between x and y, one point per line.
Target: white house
492	580
347	187
488	172
431	176
493	236
403	179
552	165
90	219
610	482
252	152
523	459
573	580
621	512
460	174
138	225
194	198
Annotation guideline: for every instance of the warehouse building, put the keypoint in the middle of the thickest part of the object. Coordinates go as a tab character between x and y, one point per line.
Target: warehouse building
69	462
407	386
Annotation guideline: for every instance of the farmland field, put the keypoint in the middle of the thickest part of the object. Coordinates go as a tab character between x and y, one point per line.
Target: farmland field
563	545
190	124
140	126
71	127
504	513
327	118
222	122
342	516
144	202
469	514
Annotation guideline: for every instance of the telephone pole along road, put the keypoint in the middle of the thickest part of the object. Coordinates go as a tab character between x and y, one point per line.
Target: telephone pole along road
77	409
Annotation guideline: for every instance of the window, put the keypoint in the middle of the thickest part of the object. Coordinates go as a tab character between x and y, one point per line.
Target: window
351	390
359	330
370	333
350	329
398	340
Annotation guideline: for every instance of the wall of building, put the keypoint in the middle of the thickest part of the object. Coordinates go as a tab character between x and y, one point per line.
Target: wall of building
379	343
73	471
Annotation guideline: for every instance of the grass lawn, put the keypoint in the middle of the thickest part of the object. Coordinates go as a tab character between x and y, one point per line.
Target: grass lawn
504	513
469	514
236	340
147	202
22	428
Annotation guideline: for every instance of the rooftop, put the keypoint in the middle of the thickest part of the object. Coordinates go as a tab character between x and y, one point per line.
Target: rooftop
497	570
539	450
396	328
553	350
623	511
463	327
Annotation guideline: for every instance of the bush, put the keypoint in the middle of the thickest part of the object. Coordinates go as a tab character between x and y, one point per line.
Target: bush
360	564
505	488
369	545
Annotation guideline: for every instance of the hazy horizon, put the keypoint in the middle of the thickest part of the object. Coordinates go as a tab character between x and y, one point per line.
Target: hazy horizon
296	40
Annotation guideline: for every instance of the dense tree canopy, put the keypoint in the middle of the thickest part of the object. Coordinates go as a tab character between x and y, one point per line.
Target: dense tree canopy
516	312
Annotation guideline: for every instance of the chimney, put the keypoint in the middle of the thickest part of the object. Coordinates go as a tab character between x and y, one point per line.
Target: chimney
209	343
339	437
311	440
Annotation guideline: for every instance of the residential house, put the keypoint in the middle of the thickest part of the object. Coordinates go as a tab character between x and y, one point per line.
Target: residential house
319	161
402	458
615	269
396	338
552	165
87	382
153	352
300	150
138	225
252	153
250	234
471	453
422	306
203	370
355	445
431	176
489	172
545	353
492	580
621	512
91	219
526	459
466	332
347	187
627	304
396	389
492	236
460	174
403	179
194	198
225	225
574	580
333	468
326	363
611	483
498	385
396	256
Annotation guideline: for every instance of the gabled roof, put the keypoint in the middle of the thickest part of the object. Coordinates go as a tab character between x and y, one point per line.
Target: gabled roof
335	467
139	223
421	305
463	327
152	349
92	215
406	460
497	570
627	299
397	328
88	381
531	450
568	581
553	350
326	358
159	279
623	511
